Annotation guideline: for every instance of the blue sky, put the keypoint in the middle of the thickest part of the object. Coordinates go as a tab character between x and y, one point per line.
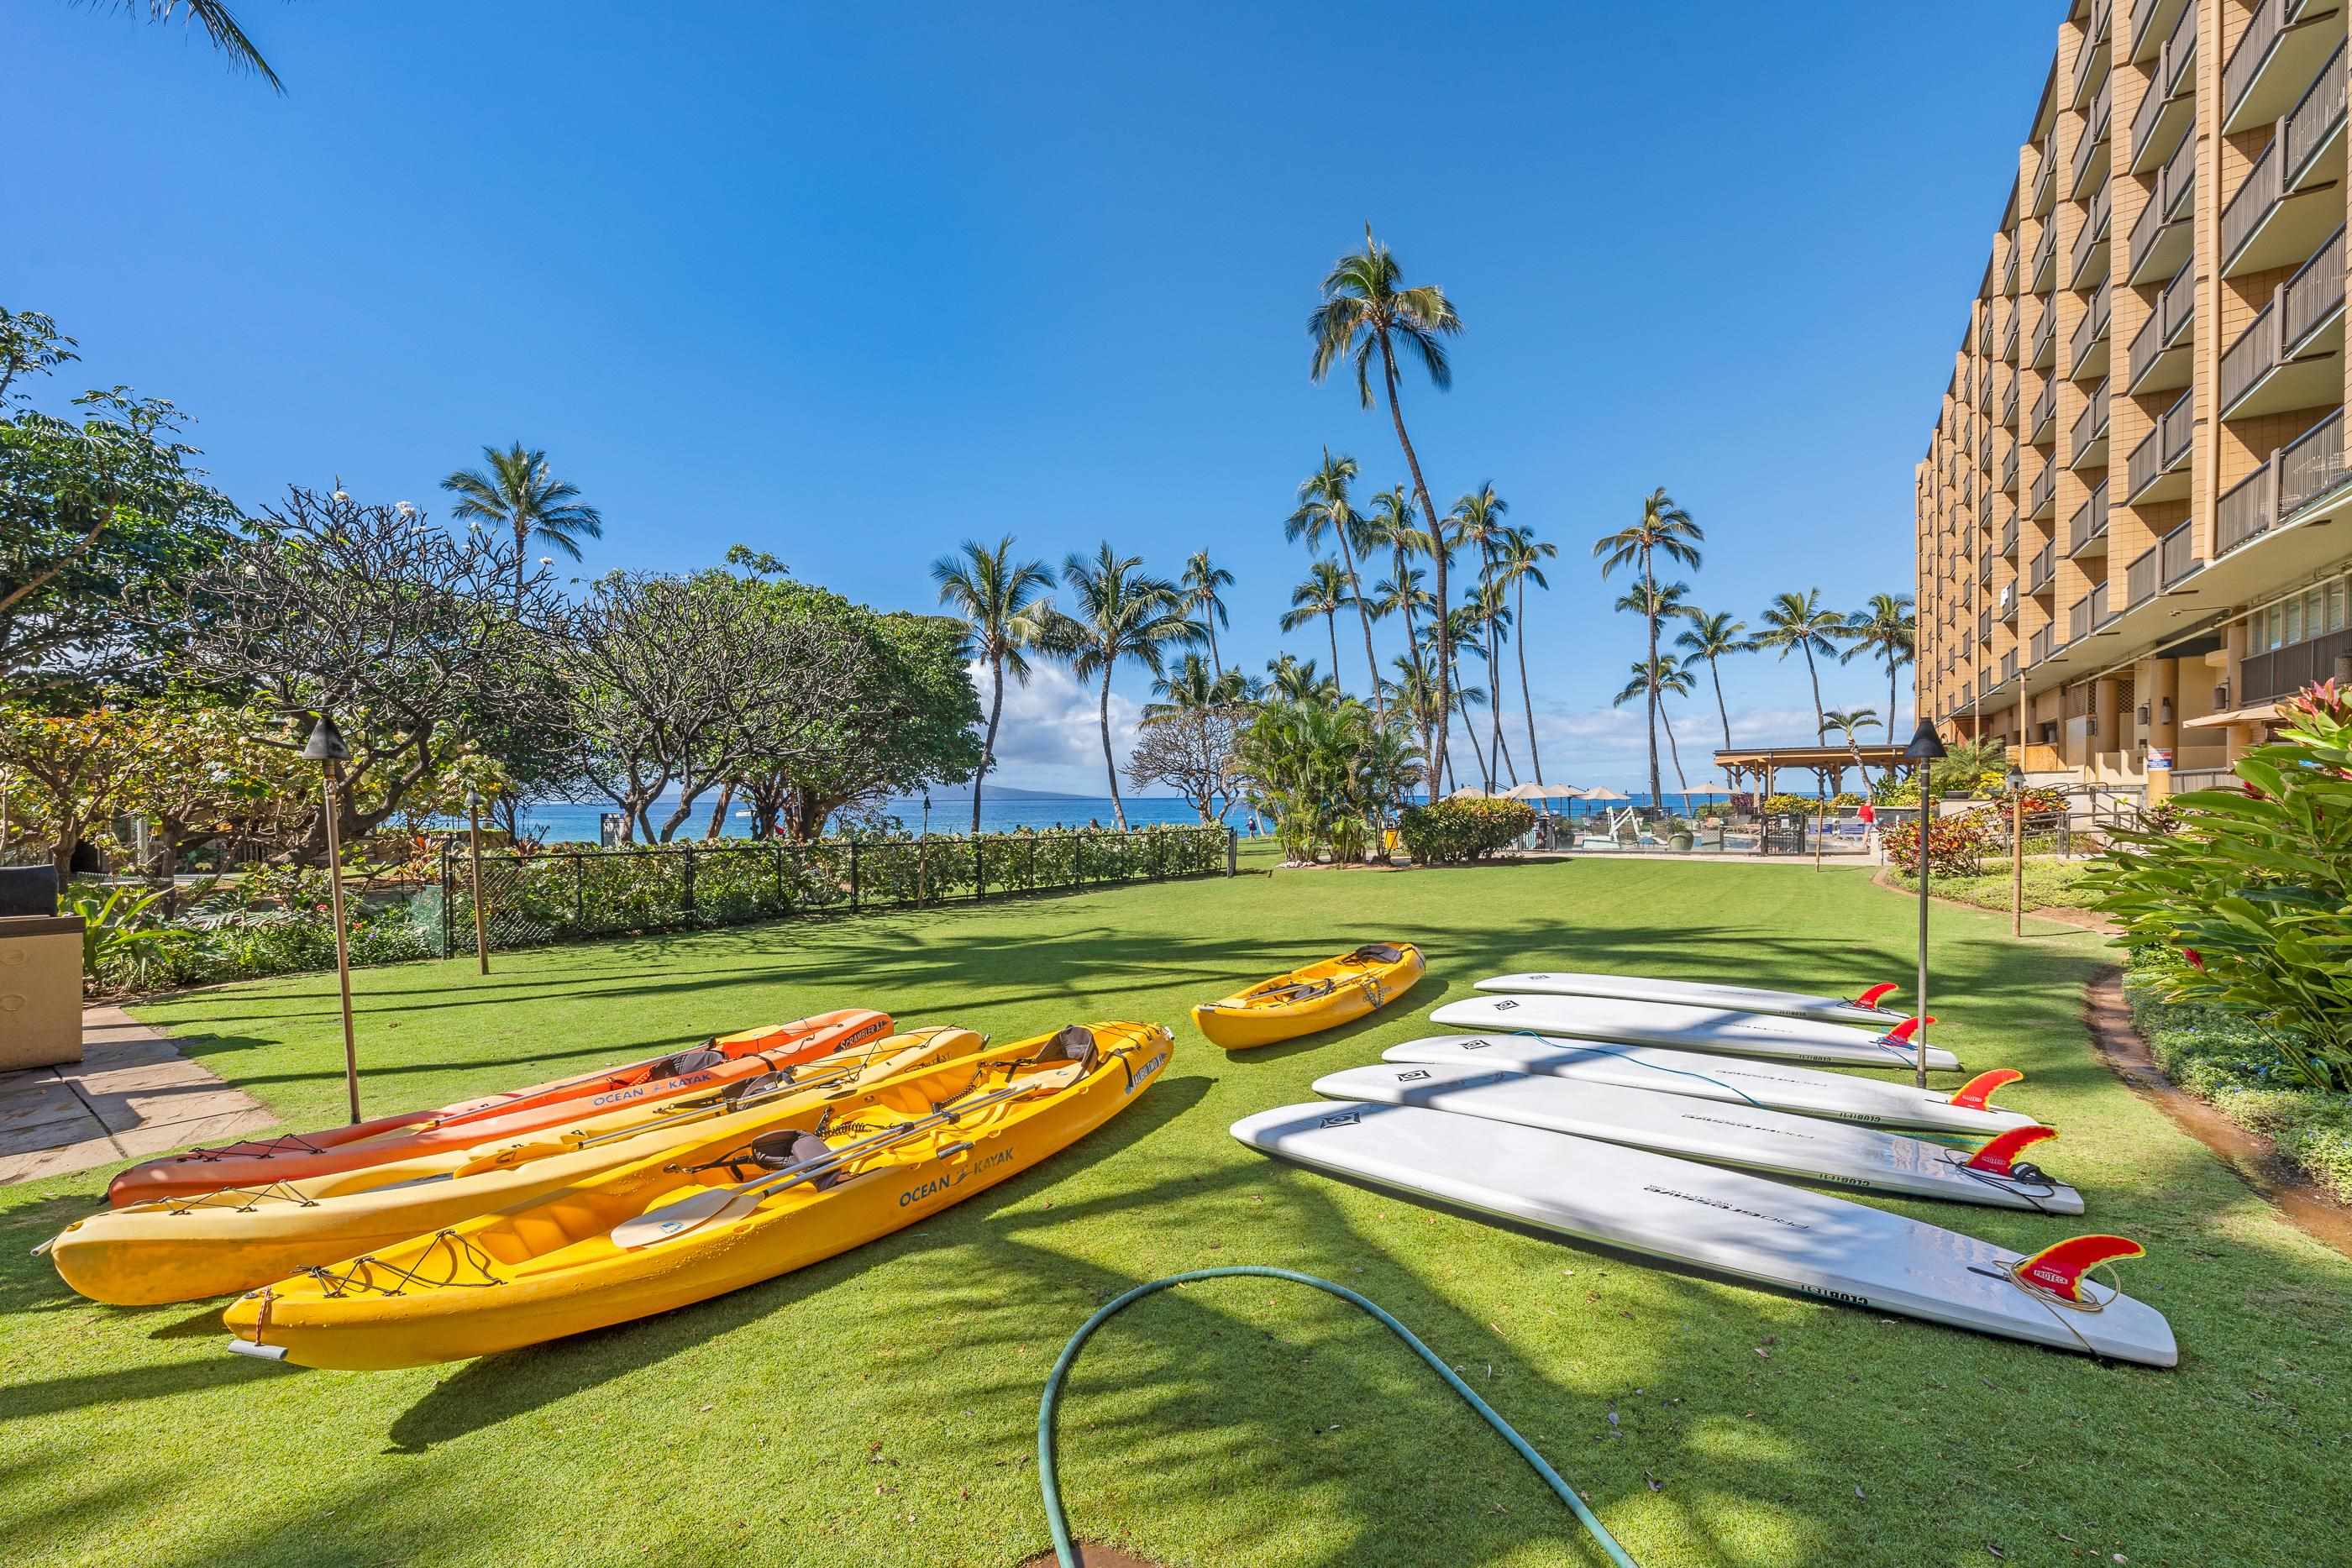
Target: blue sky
851	284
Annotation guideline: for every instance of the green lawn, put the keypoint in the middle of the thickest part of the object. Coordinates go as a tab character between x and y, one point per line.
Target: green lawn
879	1408
2049	883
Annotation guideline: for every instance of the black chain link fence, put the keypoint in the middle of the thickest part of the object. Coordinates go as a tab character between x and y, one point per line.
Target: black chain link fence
533	898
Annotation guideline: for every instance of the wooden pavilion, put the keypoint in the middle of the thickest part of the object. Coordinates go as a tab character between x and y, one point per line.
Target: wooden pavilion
1827	763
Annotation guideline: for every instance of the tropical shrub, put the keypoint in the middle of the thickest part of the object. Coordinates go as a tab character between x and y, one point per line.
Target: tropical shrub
2252	888
1956	846
1450	833
1328	771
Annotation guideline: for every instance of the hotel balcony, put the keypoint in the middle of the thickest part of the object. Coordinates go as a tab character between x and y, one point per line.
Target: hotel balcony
2159	358
2039	503
2007	417
2088	264
2087	448
2086	531
2008	340
2158	468
2045	181
2040	648
2008	666
2179	555
2162	233
2283	43
2091	153
2045	571
2044	275
2305	468
2088	614
2091	59
2293	196
2045	335
2040	424
2291	355
2170	100
2086	352
2009	538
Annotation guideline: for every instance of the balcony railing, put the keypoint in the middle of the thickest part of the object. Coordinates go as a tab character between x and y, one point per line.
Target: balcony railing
2045	255
2171	202
2046	409
2095	44
2311	464
2093	143
2090	427
2008	340
2098	219
2166	324
1984	624
2045	179
2139	578
2009	473
2246	510
2007	415
2253	201
2180	548
2009	538
2165	447
2089	521
2315	294
2045	567
2039	646
2088	614
2314	120
2172	78
2252	357
2254	45
1984	572
2091	330
2008	666
2045	489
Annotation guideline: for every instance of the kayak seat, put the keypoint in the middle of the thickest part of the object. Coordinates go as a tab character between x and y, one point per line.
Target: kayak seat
784	1150
1075	1042
684	1062
1376	953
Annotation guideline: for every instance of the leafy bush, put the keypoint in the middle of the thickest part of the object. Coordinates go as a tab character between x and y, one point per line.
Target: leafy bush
2252	888
1955	845
1450	833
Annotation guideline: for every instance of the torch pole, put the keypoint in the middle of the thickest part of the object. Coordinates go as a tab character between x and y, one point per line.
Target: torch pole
474	850
1919	1006
2017	862
334	778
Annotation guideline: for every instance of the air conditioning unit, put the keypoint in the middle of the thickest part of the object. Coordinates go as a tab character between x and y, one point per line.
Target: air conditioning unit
2221	697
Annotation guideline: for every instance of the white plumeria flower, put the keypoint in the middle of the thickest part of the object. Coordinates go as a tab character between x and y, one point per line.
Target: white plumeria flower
406	508
547	561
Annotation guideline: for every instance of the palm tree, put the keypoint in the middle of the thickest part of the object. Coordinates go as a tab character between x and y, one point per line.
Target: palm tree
1848	720
1711	637
1326	592
997	597
1885	629
1123	617
1518	563
1665	529
1416	698
1366	310
1194	685
1203	583
219	27
1460	630
1798	621
1656	678
1324	507
1298	681
517	491
1478	521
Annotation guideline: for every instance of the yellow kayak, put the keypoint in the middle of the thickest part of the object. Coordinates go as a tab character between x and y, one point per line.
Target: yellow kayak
706	1217
1317	997
218	1243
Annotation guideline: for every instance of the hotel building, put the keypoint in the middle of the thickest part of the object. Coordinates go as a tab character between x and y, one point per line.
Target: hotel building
2135	522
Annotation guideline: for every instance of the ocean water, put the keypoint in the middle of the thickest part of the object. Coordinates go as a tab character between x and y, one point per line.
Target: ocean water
564	823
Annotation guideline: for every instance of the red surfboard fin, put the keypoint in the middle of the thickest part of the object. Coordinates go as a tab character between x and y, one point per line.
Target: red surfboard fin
1871	997
1977	1093
1901	1033
2000	1156
2058	1268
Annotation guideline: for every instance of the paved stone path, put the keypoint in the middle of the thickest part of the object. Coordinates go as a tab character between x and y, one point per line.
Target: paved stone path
131	1094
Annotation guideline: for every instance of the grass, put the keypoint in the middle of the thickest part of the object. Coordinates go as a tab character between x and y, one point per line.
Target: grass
879	1408
2226	1062
2049	885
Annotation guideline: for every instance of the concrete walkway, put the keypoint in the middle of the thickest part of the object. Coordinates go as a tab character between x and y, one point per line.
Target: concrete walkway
132	1094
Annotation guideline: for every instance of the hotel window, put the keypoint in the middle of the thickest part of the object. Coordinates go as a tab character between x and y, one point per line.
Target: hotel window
2314	614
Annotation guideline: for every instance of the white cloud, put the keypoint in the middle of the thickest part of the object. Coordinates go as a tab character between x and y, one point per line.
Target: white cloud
1050	735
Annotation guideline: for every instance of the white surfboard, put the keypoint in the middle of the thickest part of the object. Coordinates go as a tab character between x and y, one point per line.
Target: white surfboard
1774	1142
1744	1226
1862	1009
1700	1029
1767	1085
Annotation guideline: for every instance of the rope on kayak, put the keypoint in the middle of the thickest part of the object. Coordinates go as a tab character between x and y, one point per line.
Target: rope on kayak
243	1199
1653	1066
1048	1478
360	1278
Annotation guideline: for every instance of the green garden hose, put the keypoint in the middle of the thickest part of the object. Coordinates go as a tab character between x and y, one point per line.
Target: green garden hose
1049	1483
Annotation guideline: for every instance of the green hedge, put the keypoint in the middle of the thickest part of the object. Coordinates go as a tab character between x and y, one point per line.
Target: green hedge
1452	832
561	894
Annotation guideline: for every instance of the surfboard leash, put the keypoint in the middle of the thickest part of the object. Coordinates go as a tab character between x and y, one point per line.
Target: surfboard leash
1049	1480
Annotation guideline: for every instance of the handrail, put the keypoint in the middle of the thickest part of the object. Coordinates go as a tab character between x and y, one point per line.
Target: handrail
2315	117
2254	356
2180	548
2315	293
2245	61
2252	203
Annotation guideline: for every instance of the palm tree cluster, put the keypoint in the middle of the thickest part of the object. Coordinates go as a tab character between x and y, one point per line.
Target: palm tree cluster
1793	623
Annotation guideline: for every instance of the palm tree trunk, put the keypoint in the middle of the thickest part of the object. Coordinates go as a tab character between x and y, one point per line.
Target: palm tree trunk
1363	613
988	743
1118	808
1650	612
1331	626
1890	700
1495	698
1470	733
1677	754
1820	713
1535	758
1503	753
1216	664
1715	671
1436	528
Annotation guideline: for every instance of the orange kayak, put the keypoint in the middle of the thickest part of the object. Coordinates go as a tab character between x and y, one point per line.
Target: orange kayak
724	1062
